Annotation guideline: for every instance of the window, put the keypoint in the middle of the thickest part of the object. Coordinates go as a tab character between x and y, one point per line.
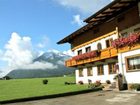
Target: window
88	49
79	52
100	70
111	68
81	72
89	71
133	63
99	46
109	42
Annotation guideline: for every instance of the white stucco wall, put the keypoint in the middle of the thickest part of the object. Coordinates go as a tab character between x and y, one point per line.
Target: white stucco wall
95	76
94	44
131	77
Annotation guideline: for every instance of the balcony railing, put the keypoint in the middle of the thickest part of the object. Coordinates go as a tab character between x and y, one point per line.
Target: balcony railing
104	54
91	57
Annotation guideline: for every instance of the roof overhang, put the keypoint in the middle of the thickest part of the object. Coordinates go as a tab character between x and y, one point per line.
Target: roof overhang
111	10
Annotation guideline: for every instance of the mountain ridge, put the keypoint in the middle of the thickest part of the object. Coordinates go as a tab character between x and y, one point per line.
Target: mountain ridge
55	58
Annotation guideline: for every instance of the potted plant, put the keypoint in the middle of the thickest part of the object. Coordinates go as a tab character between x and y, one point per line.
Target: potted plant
135	87
80	82
108	82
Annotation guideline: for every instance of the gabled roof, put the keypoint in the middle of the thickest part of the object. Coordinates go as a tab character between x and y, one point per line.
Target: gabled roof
111	10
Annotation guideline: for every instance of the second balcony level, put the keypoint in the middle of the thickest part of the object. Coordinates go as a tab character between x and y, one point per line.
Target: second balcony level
119	45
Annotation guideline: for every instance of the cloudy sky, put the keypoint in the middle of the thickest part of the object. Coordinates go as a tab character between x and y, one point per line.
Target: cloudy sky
31	27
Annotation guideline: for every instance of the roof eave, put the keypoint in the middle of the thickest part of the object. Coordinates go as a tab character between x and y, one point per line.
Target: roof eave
112	3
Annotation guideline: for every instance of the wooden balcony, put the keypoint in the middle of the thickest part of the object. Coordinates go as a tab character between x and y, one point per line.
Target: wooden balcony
104	54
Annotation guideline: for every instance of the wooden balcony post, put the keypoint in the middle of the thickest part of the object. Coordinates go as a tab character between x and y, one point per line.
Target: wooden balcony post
117	32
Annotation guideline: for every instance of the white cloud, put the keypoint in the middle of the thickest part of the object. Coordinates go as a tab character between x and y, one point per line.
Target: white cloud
1	53
39	65
60	62
77	20
84	6
44	43
54	51
40	45
68	52
19	54
40	52
18	51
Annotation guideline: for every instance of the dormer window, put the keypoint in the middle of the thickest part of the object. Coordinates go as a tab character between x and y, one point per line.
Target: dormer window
99	46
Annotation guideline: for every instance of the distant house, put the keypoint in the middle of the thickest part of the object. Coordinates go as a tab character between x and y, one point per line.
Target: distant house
108	44
5	78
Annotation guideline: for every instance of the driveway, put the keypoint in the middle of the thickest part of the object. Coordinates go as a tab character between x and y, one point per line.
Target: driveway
94	98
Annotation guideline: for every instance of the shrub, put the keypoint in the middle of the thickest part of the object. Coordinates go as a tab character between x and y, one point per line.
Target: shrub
108	82
45	81
80	82
135	87
95	85
69	83
7	78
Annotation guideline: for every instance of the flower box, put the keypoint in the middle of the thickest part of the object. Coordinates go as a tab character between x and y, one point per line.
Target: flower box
132	39
84	56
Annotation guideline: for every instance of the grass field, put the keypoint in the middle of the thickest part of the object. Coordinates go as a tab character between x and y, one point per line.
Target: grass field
22	88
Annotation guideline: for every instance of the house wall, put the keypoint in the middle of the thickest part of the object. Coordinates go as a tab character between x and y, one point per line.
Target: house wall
131	17
131	77
130	29
94	44
95	76
121	62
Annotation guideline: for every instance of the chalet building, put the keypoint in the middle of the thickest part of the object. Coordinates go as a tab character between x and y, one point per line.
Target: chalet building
108	44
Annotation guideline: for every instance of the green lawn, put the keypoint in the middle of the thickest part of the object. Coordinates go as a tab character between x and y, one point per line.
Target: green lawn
21	88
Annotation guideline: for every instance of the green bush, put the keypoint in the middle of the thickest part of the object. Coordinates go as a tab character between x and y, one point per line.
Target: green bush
45	81
97	84
135	87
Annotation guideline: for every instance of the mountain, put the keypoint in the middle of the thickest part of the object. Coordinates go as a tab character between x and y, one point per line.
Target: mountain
56	59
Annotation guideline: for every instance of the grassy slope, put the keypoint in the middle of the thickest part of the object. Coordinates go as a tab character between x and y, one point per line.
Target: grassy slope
21	88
